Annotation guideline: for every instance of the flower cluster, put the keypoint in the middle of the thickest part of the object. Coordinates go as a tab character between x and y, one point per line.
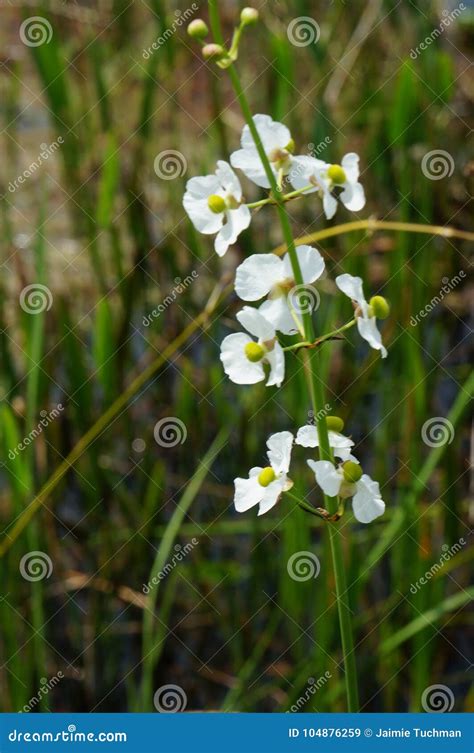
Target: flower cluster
216	206
264	486
215	203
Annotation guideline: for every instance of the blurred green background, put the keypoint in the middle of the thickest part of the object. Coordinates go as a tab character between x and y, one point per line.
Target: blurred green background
97	228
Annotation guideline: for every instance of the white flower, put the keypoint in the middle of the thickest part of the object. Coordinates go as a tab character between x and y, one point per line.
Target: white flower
310	171
243	358
307	436
367	502
365	319
277	143
213	203
265	485
268	274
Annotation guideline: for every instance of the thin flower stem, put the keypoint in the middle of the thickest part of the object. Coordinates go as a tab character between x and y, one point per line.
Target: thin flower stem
312	366
297	193
319	340
285	197
336	332
298	346
261	203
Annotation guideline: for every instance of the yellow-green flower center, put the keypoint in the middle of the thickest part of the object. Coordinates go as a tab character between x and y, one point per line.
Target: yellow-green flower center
336	174
216	203
334	423
352	471
380	306
266	476
280	158
254	352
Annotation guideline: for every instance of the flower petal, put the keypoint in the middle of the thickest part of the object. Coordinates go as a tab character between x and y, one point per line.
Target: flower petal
311	263
327	476
249	162
353	197
236	221
229	180
304	170
329	205
307	436
195	199
203	186
203	219
248	492
273	135
279	450
276	359
255	323
350	164
367	502
344	453
256	276
236	364
277	311
368	330
352	287
272	494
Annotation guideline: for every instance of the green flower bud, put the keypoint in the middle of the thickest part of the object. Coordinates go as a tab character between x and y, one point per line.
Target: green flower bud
213	52
254	352
216	203
198	29
352	471
336	174
334	423
380	306
266	476
249	16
